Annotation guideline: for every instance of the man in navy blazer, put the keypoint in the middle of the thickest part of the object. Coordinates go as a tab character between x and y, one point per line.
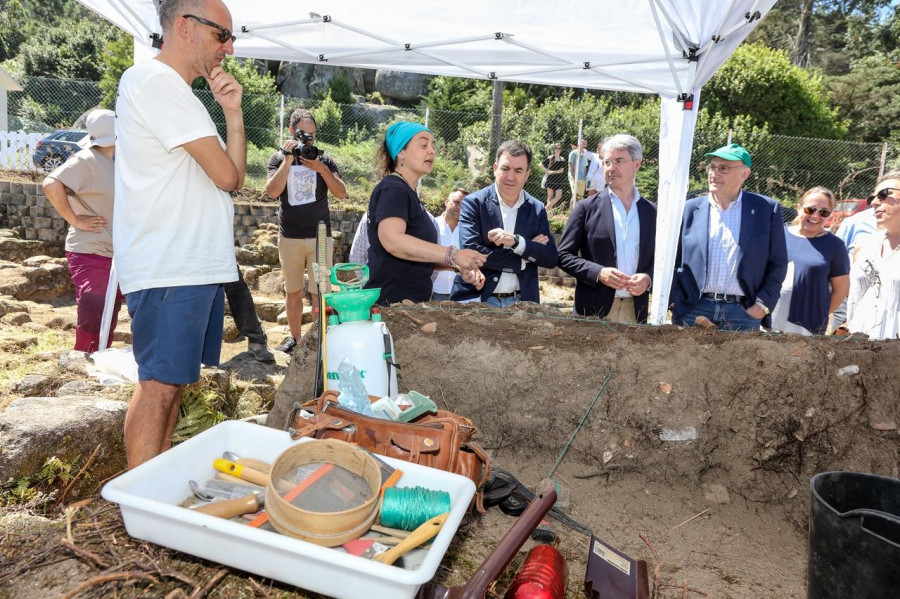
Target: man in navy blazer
732	256
610	239
511	227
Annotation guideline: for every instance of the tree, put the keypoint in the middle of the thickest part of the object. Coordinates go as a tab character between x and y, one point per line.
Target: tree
869	98
13	29
117	57
763	84
70	50
458	95
259	102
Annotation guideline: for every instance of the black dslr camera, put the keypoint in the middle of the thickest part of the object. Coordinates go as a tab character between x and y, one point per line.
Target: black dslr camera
305	148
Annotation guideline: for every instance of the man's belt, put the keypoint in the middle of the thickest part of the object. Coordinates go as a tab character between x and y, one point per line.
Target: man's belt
506	295
724	297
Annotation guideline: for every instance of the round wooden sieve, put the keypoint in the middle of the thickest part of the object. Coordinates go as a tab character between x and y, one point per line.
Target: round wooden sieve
328	529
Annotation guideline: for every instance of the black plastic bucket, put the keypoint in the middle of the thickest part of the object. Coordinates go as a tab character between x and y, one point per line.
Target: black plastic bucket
854	536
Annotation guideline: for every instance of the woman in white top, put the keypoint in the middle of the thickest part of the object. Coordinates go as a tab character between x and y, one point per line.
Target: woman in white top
874	302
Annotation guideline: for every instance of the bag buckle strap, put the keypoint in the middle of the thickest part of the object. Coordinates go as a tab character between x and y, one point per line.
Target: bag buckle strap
318	422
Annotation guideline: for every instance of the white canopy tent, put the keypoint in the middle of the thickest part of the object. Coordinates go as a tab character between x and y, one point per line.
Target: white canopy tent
665	47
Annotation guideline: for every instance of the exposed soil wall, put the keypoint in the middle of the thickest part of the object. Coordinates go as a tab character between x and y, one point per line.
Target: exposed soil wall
769	412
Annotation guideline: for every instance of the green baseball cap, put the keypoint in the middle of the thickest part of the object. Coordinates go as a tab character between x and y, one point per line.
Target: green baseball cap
732	152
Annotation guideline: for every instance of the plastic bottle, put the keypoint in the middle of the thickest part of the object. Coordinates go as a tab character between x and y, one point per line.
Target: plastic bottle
354	395
543	575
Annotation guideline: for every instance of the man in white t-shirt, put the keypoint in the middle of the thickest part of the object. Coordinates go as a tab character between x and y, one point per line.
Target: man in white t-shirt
172	225
596	180
448	231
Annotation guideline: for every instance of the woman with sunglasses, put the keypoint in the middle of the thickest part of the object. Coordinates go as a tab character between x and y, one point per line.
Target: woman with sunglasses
818	265
873	306
404	250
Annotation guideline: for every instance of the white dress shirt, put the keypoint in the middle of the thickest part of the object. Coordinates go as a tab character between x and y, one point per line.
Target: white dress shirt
509	282
628	235
444	282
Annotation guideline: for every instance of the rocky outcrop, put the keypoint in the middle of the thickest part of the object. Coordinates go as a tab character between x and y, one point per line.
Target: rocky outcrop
69	428
13	249
301	80
405	87
38	277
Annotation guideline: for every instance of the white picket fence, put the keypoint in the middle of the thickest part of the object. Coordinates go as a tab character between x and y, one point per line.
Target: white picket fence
16	149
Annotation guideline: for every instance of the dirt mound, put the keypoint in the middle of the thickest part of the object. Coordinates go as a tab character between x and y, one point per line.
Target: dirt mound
758	415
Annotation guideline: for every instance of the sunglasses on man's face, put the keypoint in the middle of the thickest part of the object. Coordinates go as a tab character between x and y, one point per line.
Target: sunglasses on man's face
224	34
884	194
810	210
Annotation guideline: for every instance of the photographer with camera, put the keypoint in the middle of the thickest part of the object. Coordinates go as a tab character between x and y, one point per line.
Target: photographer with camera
301	176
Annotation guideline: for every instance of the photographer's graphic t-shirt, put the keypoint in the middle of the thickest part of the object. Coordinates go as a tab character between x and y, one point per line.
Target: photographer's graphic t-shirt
301	185
304	201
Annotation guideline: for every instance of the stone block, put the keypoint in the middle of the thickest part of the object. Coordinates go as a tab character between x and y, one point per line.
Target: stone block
15	188
49	234
69	429
248	221
18	199
30	233
4	187
42	223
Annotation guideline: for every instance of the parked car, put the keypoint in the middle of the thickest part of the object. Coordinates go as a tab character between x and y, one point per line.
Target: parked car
56	148
842	210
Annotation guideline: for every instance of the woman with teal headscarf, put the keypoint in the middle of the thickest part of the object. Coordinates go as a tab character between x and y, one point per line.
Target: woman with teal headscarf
403	248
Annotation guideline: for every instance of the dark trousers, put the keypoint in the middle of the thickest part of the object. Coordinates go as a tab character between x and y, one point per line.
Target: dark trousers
243	311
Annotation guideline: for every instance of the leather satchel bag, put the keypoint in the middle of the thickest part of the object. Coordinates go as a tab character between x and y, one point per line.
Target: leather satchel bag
442	440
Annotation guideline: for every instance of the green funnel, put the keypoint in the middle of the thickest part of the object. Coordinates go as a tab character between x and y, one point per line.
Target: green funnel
352	303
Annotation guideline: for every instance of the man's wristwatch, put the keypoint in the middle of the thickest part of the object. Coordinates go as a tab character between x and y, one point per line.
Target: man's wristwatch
765	308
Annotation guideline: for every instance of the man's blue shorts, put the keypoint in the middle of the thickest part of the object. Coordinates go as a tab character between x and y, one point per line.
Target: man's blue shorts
175	329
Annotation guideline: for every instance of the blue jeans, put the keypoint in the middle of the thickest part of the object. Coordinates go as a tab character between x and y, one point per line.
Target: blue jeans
726	316
506	302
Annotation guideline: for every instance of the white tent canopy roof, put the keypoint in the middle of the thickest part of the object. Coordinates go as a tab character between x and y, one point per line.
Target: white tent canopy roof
625	45
665	47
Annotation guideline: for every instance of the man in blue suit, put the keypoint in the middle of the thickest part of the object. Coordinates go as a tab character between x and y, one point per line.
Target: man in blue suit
511	227
732	255
610	239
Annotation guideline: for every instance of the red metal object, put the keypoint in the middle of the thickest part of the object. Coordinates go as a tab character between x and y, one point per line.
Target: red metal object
543	575
842	210
503	553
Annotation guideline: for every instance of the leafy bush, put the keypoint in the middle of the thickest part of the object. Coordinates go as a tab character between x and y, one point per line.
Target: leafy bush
259	102
762	84
329	120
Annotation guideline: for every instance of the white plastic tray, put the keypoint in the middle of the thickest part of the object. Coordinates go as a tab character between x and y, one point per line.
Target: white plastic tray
149	496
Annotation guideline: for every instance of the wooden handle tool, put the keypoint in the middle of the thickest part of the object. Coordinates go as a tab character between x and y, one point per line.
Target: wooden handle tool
424	533
243	472
232	508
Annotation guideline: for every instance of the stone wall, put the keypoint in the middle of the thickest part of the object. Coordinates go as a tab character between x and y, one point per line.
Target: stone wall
23	206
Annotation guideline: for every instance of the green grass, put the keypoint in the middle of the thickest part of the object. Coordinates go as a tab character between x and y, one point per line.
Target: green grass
25	360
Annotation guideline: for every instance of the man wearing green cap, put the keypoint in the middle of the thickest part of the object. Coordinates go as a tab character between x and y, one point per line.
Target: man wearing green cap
732	256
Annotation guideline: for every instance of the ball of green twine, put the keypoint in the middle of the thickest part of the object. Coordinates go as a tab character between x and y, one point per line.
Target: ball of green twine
407	508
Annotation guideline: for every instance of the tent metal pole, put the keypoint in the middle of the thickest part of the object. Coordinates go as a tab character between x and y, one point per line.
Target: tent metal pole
281	122
577	165
278	42
255	28
685	44
432	55
665	47
408	47
496	115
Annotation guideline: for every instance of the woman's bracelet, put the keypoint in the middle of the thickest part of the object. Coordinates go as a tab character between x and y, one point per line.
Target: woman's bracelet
448	258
